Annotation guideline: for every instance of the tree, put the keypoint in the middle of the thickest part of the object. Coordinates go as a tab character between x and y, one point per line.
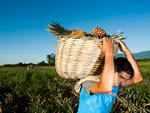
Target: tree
42	63
51	59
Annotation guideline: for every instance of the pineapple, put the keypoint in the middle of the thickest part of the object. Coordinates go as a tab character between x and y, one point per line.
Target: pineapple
98	32
57	29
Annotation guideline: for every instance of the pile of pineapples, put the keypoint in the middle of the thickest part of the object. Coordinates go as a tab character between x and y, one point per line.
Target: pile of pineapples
97	32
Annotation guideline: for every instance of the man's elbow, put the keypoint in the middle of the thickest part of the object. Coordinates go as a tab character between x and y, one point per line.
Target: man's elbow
139	80
107	89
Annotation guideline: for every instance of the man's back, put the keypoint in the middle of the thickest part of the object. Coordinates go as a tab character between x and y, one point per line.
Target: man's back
96	103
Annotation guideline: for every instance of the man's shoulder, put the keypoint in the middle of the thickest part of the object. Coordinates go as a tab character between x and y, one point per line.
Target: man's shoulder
87	85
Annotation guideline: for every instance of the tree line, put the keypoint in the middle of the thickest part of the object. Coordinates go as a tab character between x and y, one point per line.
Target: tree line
50	61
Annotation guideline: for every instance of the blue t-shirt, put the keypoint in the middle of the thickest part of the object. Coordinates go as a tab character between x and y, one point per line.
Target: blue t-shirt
96	103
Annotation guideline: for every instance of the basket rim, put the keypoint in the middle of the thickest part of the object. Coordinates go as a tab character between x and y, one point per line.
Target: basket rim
79	37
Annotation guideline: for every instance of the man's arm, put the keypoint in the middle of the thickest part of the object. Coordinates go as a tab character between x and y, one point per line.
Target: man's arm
107	77
137	77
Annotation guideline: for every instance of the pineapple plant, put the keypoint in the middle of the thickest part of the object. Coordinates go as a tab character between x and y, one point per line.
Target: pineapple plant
57	29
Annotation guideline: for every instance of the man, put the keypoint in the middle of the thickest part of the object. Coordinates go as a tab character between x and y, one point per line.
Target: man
97	96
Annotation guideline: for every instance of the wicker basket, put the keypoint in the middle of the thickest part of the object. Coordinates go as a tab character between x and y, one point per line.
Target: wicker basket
79	56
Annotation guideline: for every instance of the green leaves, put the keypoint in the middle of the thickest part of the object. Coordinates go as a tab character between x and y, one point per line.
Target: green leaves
57	29
118	36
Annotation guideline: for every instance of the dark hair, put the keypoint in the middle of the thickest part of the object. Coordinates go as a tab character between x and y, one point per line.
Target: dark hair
122	64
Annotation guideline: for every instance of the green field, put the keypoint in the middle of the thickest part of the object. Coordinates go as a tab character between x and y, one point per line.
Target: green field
42	91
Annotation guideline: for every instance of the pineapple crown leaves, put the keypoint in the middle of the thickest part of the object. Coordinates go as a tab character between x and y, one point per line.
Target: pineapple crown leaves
118	36
57	29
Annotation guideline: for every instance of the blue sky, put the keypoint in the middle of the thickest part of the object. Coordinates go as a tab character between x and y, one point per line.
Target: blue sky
23	37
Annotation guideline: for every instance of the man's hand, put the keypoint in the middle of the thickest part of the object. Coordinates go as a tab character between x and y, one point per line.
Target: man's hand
122	46
107	47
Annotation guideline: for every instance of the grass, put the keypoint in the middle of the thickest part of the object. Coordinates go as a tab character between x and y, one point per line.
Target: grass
42	91
36	91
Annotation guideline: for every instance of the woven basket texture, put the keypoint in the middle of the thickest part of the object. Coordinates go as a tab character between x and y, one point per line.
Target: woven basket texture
79	56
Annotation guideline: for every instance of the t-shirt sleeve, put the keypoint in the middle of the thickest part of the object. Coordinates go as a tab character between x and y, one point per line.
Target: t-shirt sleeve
87	86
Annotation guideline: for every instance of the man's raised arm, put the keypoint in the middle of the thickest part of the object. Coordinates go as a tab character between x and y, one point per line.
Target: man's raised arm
107	77
137	77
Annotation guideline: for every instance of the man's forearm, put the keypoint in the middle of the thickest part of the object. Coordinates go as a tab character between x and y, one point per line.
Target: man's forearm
137	73
107	77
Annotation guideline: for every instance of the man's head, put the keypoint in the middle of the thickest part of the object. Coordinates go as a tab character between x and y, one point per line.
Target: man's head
123	71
